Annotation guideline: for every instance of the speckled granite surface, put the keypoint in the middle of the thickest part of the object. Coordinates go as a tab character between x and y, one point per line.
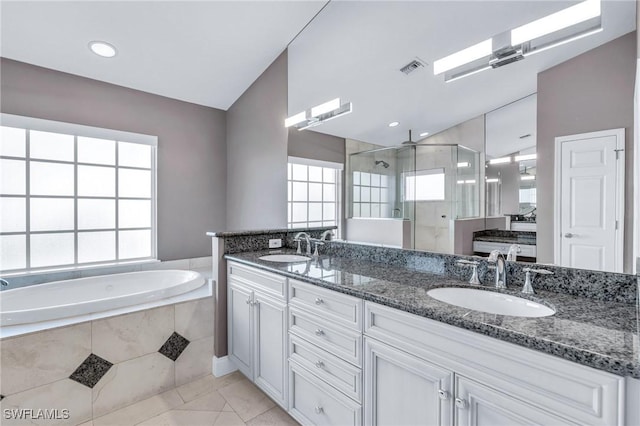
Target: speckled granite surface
245	233
601	334
507	237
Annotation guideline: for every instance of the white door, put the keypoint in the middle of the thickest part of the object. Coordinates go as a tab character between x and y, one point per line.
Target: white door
401	389
239	326
590	197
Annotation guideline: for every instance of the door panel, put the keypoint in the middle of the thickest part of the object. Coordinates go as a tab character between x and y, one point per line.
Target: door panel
270	355
240	318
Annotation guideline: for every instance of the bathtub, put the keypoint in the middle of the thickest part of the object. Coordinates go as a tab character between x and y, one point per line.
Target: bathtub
85	296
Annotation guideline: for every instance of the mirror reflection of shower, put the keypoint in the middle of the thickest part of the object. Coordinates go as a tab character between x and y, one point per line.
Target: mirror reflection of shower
384	163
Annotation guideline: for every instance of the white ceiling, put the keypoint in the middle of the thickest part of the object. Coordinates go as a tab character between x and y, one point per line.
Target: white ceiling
205	52
354	50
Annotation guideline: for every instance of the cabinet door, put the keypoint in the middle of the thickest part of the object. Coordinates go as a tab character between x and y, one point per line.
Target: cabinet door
239	318
401	389
270	346
479	405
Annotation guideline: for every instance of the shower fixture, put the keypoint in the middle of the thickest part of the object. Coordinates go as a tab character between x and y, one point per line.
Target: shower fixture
410	141
384	164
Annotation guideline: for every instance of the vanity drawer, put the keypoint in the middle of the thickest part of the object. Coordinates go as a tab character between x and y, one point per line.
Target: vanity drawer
345	310
335	371
335	339
273	284
313	402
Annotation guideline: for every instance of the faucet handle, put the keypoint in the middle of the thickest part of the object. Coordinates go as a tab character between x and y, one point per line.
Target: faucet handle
464	262
542	271
317	243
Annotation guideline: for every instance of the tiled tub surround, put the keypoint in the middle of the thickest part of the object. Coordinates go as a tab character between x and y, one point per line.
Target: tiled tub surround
96	367
595	324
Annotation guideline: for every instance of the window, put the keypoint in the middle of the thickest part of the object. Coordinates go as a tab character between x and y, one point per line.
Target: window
313	193
371	195
74	195
424	185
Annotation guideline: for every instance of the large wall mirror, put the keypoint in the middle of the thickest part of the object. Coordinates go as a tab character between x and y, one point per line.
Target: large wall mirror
471	126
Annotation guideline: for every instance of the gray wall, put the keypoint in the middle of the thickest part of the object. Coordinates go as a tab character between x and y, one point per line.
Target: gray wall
317	146
591	92
191	144
257	153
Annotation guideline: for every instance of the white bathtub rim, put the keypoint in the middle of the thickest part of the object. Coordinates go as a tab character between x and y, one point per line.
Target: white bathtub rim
201	292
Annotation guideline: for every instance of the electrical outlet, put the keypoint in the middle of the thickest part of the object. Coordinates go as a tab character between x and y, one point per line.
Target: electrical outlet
275	243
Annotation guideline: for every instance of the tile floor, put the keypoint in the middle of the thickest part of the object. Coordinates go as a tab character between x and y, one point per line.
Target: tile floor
210	401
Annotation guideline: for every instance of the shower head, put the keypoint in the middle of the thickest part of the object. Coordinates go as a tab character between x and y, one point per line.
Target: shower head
410	141
384	164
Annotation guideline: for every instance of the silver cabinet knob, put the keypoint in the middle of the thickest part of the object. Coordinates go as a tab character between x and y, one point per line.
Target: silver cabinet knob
319	301
443	394
319	410
568	235
319	364
248	301
461	403
319	332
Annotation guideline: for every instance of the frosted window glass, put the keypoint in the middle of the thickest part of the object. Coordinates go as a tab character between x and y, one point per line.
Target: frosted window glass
375	179
384	195
356	209
315	174
96	214
375	195
51	179
315	192
328	211
50	146
299	191
13	252
356	178
134	214
365	194
356	193
329	175
96	246
299	212
299	172
13	213
134	183
375	210
312	224
12	141
134	155
97	151
384	180
289	191
52	249
365	179
12	177
315	211
299	225
51	214
96	181
365	210
289	207
329	193
134	244
289	171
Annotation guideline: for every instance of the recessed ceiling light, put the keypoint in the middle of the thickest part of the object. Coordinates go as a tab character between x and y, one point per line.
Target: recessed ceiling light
423	134
394	123
103	49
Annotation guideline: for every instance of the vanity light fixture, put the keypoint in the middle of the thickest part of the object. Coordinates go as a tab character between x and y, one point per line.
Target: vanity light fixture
102	48
464	56
528	177
463	164
469	181
492	180
318	114
501	160
526	157
423	134
394	123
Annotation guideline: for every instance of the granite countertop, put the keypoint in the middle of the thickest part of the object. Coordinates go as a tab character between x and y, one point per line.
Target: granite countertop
506	240
598	334
244	233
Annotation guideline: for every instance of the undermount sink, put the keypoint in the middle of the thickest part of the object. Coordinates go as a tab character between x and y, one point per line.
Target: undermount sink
284	258
490	302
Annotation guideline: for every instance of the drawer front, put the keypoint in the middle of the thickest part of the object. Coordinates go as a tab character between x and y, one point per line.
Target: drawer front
564	388
313	402
345	310
272	284
340	341
338	373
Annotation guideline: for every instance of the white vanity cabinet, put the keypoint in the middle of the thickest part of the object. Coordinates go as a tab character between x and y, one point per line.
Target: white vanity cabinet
257	328
469	379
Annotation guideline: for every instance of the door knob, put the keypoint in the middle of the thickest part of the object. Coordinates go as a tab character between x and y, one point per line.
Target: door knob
319	364
319	332
319	301
568	235
461	403
319	410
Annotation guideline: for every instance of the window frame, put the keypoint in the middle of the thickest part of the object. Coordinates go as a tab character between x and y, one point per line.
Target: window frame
80	131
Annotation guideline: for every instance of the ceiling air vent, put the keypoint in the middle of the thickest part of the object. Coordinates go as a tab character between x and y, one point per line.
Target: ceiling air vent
412	66
505	56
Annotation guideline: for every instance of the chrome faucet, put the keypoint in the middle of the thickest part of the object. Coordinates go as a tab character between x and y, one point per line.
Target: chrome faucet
297	238
501	268
528	288
514	249
327	235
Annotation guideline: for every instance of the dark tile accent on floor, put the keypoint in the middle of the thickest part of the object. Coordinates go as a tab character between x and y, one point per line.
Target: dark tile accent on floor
91	371
174	346
1	397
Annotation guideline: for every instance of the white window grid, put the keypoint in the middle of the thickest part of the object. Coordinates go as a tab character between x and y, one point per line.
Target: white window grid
331	178
79	131
425	179
370	196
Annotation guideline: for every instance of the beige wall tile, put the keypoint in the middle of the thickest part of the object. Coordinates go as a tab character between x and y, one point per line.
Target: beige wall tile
129	336
141	411
45	357
133	381
61	395
246	399
195	361
194	320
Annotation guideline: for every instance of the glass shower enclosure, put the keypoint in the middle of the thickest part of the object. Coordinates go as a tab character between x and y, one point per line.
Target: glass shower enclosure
427	187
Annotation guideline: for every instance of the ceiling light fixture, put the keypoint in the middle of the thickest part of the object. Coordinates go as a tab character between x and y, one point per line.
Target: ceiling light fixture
526	157
492	180
464	56
394	123
103	49
318	114
502	160
423	134
464	164
528	177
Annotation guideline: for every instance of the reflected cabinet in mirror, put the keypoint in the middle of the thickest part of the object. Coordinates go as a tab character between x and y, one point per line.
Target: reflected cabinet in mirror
475	126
